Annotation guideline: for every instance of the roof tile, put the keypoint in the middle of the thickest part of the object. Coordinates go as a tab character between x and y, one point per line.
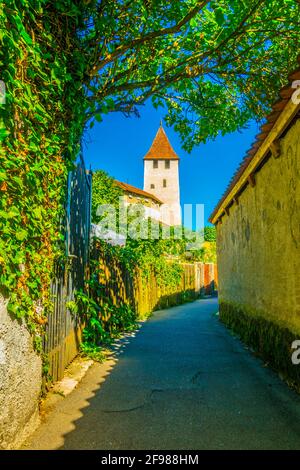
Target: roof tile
285	93
161	149
132	189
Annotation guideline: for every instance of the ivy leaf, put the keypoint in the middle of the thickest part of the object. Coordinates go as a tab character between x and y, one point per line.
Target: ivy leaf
220	19
13	212
37	211
21	235
22	30
26	37
17	180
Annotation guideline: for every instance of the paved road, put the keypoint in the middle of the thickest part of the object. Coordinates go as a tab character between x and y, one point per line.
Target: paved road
183	382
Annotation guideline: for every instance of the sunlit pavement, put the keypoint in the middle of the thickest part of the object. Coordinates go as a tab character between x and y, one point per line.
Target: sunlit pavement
182	382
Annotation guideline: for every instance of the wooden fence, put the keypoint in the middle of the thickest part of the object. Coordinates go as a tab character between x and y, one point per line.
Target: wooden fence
146	294
63	332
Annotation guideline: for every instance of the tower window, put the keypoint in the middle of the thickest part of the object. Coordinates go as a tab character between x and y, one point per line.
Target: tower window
152	186
155	164
167	164
164	183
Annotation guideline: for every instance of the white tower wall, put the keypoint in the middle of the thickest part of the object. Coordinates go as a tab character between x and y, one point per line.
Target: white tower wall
163	182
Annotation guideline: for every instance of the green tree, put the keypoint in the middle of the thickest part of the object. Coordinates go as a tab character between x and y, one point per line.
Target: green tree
105	191
210	234
213	65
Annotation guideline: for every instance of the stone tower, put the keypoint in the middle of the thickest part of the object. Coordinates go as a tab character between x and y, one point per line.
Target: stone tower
161	177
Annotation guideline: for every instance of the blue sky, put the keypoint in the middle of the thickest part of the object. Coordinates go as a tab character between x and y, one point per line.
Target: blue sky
118	145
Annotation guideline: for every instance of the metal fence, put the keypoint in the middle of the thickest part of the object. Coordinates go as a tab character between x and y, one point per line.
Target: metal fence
63	331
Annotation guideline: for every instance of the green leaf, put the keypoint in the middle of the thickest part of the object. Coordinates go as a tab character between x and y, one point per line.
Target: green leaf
26	37
13	212
21	235
219	16
17	180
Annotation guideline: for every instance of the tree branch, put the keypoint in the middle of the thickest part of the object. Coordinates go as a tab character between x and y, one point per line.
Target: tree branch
150	36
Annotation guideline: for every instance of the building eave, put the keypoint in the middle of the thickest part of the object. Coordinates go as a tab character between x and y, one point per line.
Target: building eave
128	188
283	113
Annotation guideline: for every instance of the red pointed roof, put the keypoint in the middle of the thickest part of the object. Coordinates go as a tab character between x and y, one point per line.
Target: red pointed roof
161	149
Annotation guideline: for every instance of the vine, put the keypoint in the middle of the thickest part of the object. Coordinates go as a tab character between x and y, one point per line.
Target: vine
41	123
104	319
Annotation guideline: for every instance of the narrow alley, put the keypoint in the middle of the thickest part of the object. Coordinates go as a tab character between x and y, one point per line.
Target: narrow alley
181	382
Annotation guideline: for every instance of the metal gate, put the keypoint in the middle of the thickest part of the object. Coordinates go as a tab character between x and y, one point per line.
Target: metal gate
63	331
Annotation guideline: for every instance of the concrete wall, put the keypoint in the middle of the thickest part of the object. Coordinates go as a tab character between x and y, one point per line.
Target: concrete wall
20	381
170	194
259	244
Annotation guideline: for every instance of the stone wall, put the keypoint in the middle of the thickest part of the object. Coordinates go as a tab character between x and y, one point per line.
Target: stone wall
20	381
259	256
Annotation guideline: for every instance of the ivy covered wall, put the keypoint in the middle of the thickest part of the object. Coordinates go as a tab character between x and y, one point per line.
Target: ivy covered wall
41	124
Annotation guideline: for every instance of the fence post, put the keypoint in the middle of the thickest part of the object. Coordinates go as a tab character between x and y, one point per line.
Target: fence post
63	331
